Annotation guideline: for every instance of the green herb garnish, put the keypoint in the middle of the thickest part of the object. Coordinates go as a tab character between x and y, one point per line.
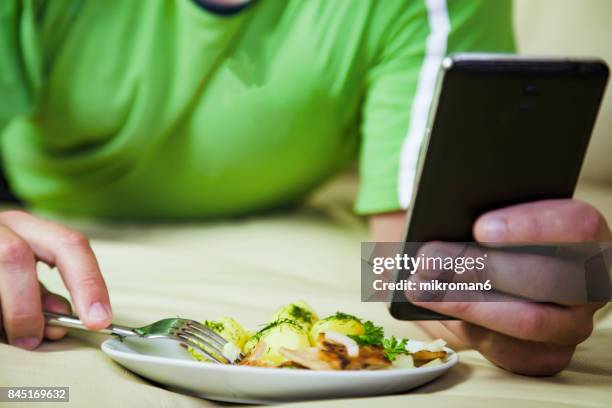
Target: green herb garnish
214	326
275	323
300	314
343	316
393	348
373	335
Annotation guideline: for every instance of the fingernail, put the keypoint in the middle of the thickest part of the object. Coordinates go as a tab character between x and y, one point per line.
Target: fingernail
26	343
494	229
98	312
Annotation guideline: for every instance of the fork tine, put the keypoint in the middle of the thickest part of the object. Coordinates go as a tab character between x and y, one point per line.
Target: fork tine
188	341
208	335
205	340
208	332
219	350
199	350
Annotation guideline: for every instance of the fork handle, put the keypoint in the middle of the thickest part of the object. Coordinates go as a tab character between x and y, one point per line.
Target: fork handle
72	322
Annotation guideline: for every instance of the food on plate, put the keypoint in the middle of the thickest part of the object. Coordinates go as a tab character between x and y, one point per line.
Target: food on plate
230	330
428	354
296	338
276	335
332	354
340	322
300	312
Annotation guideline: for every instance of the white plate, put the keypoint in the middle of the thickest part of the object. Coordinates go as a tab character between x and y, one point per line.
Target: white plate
267	385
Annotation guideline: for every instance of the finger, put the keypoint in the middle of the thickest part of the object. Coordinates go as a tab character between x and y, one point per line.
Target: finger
54	303
519	356
19	291
75	260
523	274
562	220
422	293
540	322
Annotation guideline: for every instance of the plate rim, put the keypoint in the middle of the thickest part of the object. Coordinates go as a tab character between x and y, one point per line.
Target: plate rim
107	347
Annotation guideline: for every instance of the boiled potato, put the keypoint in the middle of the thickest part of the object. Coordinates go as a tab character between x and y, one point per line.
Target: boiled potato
230	330
300	312
281	333
250	344
340	323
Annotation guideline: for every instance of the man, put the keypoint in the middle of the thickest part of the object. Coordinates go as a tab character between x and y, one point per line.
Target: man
183	109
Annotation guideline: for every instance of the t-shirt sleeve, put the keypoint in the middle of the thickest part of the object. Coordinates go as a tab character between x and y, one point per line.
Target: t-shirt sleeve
20	68
413	38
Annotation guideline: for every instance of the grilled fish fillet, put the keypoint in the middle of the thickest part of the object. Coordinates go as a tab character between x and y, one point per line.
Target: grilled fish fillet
334	356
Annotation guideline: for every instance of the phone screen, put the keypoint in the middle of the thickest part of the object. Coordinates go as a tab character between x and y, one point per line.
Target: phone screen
503	130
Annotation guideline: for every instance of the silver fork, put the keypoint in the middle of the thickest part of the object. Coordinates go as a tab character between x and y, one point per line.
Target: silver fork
188	333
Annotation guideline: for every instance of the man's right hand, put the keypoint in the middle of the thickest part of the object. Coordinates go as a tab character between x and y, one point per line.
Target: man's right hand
24	240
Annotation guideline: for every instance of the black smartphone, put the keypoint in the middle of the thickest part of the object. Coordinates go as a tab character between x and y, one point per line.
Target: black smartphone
502	130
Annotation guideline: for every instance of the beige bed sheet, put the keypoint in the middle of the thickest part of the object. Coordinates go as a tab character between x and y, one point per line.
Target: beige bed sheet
246	268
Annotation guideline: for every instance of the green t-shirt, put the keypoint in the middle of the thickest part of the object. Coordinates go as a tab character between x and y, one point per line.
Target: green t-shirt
161	108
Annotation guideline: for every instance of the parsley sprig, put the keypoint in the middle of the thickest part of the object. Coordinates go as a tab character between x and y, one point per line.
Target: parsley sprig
375	336
372	336
392	347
